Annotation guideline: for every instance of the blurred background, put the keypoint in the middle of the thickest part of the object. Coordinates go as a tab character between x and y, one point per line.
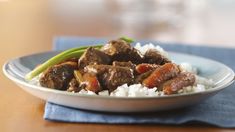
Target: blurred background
28	26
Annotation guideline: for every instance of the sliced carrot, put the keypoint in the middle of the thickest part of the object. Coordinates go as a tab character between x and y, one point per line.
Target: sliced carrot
161	74
144	67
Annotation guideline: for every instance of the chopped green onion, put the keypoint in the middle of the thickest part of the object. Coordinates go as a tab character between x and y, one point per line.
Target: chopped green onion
70	53
127	39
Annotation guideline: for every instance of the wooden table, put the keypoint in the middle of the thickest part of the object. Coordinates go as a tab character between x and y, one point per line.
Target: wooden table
27	27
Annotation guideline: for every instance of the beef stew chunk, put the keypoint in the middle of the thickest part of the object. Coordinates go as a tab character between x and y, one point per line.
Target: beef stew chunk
154	57
91	82
119	50
118	76
97	69
111	77
128	64
58	76
93	56
74	86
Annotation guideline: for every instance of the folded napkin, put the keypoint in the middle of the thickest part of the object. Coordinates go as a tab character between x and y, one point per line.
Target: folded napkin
218	110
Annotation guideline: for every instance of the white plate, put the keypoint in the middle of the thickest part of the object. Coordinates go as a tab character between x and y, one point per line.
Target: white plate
223	76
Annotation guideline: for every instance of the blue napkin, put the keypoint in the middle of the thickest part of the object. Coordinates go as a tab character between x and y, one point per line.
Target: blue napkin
218	110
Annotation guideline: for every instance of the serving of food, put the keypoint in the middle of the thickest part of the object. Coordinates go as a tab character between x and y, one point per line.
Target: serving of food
118	69
119	76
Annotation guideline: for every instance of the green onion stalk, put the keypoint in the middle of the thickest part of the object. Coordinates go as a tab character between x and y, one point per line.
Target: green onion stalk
127	39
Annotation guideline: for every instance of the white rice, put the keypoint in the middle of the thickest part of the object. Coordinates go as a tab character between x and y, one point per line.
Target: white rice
135	90
184	66
146	47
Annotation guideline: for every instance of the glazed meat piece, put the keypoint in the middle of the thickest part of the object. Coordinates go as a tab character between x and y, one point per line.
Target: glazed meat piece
87	81
118	76
120	50
74	86
111	77
97	69
58	76
91	82
161	74
182	80
93	56
154	57
145	67
128	64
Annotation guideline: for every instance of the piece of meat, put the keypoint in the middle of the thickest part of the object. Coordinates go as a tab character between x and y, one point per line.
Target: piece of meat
144	67
120	50
91	83
152	56
111	77
97	69
58	76
128	64
161	74
118	76
182	80
93	56
74	86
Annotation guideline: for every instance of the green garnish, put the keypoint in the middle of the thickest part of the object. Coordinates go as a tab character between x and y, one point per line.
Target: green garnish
70	53
127	39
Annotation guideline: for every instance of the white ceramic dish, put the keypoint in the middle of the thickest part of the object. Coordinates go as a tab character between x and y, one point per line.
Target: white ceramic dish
222	75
